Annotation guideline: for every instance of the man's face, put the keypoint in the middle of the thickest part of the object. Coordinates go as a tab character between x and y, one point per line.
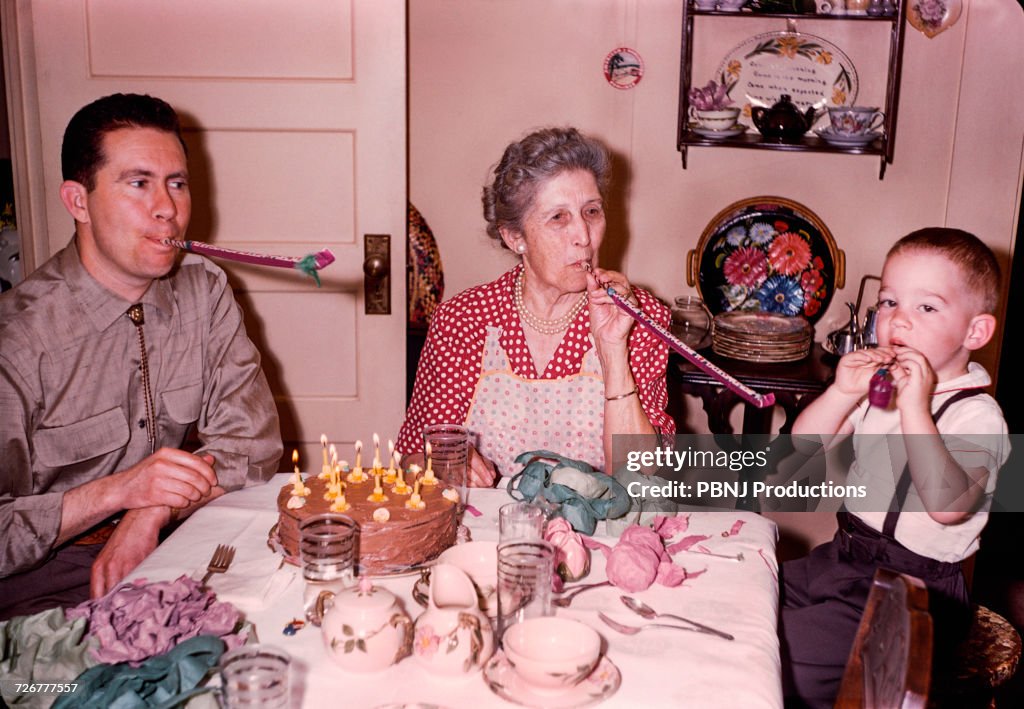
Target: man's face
140	198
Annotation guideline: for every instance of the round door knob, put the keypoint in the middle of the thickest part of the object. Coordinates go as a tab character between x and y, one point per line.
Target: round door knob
374	268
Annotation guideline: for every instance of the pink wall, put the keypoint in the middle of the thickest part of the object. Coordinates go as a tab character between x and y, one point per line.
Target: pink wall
484	72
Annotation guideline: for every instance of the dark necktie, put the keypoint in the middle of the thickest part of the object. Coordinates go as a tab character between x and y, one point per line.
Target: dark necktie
138	317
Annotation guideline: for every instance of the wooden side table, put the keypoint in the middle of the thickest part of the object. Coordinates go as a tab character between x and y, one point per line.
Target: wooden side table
795	385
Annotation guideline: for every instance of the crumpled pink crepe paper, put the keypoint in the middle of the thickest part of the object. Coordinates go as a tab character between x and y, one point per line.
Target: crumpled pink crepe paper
641	557
137	621
572	559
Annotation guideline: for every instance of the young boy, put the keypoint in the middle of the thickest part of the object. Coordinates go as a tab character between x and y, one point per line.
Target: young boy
935	306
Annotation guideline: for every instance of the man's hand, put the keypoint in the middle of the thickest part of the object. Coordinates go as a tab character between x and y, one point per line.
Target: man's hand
170	477
132	541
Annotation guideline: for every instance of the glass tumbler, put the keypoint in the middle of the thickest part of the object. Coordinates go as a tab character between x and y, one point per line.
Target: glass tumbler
449	455
520	522
255	676
328	546
691	321
524	582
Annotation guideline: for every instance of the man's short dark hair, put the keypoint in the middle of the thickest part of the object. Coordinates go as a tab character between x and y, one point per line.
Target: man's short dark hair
81	154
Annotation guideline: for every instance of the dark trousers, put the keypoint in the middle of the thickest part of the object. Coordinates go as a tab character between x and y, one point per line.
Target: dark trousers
61	581
823	598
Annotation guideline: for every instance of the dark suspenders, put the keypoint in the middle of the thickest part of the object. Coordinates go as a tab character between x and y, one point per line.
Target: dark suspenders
903	485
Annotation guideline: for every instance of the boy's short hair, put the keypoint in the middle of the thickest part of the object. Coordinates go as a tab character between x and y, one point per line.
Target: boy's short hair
81	154
975	260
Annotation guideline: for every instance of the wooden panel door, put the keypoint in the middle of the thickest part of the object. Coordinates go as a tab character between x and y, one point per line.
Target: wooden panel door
296	124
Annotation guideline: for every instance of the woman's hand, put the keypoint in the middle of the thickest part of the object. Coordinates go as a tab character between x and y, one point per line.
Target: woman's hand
480	471
856	369
609	324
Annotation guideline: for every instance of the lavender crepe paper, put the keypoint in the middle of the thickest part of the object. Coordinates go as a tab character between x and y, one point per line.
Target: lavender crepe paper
137	621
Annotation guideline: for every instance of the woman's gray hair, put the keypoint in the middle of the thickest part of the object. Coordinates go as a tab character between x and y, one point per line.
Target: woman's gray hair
532	161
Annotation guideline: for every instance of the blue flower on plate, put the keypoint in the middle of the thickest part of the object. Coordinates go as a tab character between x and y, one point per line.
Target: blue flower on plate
761	233
736	235
780	294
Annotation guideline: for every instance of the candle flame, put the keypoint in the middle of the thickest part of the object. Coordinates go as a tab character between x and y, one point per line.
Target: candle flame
323	439
376	440
391	447
295	455
359	446
333	450
428	450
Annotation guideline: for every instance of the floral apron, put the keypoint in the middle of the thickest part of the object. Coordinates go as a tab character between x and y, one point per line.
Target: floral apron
511	415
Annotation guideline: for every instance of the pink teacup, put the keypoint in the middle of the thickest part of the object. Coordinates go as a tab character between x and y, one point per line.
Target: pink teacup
715	119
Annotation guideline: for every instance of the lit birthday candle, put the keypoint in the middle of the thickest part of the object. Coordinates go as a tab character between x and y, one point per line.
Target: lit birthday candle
400	487
325	471
415	502
359	458
376	452
378	491
389	475
428	475
340	504
298	488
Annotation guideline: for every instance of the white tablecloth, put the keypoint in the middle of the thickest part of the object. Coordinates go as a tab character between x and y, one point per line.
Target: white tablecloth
660	668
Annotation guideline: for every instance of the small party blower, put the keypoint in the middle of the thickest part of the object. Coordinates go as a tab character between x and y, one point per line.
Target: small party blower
880	389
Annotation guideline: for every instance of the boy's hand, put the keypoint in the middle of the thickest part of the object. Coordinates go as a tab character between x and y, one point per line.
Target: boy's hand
915	381
856	369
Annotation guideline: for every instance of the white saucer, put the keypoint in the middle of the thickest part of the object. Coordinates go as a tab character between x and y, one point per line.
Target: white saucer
600	684
737	129
844	139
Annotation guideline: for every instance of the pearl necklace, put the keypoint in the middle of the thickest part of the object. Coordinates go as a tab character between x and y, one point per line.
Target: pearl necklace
542	325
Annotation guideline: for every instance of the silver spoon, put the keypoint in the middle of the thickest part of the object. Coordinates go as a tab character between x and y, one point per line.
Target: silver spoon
645	611
633	630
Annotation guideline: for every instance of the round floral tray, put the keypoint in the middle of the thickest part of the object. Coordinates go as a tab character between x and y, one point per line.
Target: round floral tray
767	254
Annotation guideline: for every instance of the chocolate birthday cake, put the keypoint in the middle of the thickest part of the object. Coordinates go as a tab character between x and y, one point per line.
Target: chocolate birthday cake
393	540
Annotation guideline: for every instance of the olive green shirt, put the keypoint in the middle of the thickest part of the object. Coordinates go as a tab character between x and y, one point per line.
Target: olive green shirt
72	402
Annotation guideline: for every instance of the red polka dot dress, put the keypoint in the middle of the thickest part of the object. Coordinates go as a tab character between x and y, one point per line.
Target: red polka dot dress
523	407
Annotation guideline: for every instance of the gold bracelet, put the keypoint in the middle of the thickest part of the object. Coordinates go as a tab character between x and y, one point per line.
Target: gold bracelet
622	396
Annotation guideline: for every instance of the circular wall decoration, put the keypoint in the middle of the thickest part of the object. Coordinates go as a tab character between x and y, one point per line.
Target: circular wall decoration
623	68
767	254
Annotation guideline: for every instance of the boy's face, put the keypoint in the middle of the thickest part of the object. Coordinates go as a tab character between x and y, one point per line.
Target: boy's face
924	304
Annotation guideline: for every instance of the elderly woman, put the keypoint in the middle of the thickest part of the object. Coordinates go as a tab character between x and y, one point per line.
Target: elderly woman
542	358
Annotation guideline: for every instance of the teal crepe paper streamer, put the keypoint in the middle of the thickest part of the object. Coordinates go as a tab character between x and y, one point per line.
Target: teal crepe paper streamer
580	512
307	264
163	681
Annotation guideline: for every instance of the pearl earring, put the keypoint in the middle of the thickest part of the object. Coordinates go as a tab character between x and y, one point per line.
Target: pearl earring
520	248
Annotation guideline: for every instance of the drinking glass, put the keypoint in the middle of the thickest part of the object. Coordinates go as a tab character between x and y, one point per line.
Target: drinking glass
328	544
524	582
449	455
255	676
691	321
520	522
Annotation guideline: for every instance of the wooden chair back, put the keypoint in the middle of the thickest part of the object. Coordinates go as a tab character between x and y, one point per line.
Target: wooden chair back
891	660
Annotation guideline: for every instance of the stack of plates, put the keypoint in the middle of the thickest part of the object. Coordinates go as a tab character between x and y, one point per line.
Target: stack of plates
761	337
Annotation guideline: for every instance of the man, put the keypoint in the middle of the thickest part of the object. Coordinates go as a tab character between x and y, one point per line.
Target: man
109	353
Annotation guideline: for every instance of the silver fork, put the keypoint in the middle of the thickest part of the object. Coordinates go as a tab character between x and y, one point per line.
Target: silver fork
222	557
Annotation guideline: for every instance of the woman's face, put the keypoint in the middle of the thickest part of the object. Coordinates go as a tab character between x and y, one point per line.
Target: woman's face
562	231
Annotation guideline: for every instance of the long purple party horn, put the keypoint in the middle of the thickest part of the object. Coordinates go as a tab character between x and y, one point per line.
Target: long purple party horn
308	264
759	400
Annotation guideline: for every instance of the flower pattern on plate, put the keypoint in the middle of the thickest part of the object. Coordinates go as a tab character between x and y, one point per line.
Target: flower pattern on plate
770	257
